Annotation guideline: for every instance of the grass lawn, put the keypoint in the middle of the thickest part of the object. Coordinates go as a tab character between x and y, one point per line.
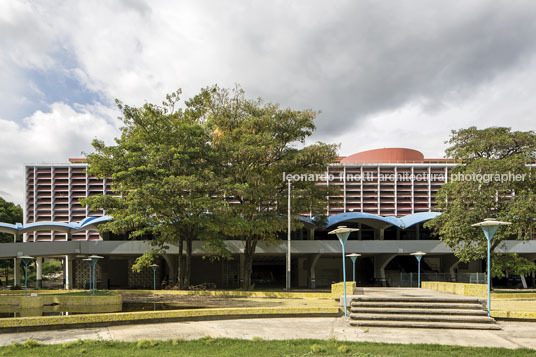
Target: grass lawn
256	347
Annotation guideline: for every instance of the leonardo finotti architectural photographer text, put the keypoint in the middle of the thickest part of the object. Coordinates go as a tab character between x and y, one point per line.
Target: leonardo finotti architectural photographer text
374	177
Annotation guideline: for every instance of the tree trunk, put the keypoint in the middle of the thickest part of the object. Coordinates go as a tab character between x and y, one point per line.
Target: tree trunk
180	275
249	252
187	269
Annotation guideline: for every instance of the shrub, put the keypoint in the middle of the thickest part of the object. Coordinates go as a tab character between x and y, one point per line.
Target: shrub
142	344
317	348
29	343
343	349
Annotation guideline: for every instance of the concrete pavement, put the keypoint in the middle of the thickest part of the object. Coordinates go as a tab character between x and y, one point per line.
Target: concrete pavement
512	335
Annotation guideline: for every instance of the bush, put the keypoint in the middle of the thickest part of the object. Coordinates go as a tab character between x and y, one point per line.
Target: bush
317	348
142	344
29	343
343	349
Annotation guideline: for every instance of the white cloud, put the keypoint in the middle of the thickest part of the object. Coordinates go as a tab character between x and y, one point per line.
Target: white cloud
53	136
383	74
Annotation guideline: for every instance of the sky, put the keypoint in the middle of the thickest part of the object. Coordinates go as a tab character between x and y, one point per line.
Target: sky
382	73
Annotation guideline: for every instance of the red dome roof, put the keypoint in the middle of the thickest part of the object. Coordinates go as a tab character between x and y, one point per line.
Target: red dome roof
393	155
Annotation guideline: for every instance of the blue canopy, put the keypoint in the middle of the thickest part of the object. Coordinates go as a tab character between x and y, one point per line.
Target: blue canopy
379	222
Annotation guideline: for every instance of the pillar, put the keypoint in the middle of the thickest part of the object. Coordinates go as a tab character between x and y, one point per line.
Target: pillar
380	262
68	266
172	268
360	231
302	273
312	271
16	272
39	273
418	231
382	233
242	267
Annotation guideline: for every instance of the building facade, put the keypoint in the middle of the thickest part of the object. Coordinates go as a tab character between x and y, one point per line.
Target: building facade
386	193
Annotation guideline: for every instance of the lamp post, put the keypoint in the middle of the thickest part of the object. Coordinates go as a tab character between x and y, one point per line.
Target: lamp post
94	259
353	256
490	227
288	276
154	266
419	256
343	233
26	260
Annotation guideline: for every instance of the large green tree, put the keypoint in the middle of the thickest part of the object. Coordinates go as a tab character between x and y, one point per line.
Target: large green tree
161	169
257	143
9	213
493	179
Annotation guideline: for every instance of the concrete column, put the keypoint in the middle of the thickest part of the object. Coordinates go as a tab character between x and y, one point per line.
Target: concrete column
312	271
68	266
302	273
380	262
382	233
16	272
39	273
242	267
418	231
172	268
360	231
311	234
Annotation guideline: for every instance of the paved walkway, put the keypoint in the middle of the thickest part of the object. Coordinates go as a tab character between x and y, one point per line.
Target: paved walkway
513	335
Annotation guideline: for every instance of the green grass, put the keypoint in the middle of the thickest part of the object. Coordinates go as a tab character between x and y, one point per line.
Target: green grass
257	347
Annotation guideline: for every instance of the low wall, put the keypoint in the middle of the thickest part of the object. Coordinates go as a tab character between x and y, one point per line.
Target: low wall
29	323
32	302
337	289
232	293
478	290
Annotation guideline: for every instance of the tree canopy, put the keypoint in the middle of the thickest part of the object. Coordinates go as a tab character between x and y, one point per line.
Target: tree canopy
494	178
210	170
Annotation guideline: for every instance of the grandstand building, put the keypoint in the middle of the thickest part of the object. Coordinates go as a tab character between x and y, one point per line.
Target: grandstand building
387	193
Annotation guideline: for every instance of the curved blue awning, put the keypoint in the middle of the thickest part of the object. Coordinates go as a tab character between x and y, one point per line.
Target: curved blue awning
86	224
412	219
380	222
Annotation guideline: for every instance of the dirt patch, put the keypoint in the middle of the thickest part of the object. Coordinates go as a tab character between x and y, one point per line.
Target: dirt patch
200	300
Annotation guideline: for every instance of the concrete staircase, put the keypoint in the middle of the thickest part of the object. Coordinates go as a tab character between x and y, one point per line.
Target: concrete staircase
420	312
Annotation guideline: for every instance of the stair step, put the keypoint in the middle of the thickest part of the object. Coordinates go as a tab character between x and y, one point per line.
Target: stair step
417	305
424	324
426	318
373	310
462	300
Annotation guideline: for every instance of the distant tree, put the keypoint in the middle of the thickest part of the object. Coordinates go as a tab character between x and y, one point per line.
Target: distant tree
496	157
9	213
257	143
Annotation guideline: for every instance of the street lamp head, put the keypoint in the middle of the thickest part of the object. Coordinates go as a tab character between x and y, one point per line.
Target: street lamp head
490	222
353	255
343	229
26	257
154	265
418	254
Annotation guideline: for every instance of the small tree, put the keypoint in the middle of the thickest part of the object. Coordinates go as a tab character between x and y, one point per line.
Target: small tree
484	185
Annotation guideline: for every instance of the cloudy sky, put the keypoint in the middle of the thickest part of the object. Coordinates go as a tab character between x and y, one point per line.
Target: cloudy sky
383	73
